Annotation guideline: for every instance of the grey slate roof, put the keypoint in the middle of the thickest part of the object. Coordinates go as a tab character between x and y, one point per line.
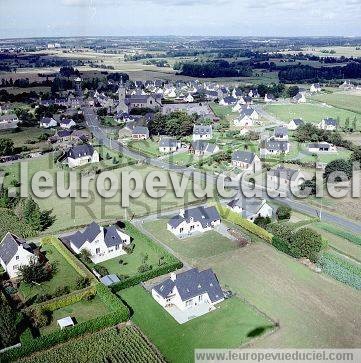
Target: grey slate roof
66	121
281	131
243	156
9	247
202	129
320	145
247	111
79	151
276	145
230	100
250	206
140	130
192	283
47	120
110	234
298	121
204	215
203	146
330	121
168	142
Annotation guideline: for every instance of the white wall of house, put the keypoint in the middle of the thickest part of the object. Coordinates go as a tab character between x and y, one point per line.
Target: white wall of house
22	257
243	122
73	163
202	137
67	126
193	226
274	182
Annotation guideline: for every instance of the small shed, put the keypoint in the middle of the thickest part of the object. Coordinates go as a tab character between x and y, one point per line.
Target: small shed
65	322
109	279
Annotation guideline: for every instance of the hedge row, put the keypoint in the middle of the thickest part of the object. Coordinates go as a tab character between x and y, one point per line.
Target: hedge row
69	257
120	313
236	218
135	280
64	300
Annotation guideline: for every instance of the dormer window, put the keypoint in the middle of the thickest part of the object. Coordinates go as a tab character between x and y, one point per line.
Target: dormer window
17	258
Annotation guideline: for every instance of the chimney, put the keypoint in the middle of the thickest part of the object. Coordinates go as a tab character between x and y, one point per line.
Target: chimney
173	276
181	212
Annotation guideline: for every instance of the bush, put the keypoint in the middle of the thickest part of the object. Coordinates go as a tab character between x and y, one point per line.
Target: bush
101	270
36	272
61	290
283	212
262	221
306	243
236	218
82	282
281	230
144	267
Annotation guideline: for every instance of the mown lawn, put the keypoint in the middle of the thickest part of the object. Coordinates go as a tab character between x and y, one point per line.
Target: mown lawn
65	276
232	324
81	311
310	112
200	246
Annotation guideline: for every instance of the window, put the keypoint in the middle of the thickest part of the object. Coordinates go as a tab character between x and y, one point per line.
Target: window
117	247
15	267
17	258
97	251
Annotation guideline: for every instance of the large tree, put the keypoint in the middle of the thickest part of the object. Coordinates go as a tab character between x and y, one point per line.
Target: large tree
8	333
6	147
341	166
306	243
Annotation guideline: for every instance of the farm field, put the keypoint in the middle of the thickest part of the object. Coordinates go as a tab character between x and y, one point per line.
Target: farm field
299	299
309	112
115	344
200	246
72	212
65	275
237	321
344	100
339	51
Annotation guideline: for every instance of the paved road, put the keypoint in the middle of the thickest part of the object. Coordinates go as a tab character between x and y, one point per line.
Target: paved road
93	123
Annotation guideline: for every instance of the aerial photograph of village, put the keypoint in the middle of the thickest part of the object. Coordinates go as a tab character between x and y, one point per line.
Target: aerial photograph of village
180	181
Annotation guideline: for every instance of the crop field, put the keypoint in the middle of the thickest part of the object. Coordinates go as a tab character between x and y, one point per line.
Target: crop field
310	112
116	345
237	321
343	100
301	300
346	51
72	212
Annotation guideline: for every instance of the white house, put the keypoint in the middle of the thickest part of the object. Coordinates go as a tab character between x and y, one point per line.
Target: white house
9	121
299	98
321	147
284	178
189	294
329	124
80	155
202	132
246	160
197	219
168	145
295	124
315	88
48	122
268	98
200	148
67	123
102	243
281	133
189	98
15	252
251	208
272	147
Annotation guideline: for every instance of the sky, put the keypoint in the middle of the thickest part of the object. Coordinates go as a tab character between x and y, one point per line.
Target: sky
50	18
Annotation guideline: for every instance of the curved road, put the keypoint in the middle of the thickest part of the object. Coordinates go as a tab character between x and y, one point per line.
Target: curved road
93	124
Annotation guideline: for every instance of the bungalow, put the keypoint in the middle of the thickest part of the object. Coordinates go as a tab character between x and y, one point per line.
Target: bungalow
200	148
284	178
140	133
251	208
281	133
15	252
194	292
272	146
202	132
67	123
103	243
320	147
8	122
228	101
168	145
295	124
81	155
268	98
329	124
315	88
48	122
246	160
299	98
197	219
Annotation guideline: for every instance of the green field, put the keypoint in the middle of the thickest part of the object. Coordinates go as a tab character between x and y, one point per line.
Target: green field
81	311
301	300
347	101
310	112
200	246
148	147
115	344
232	324
65	275
72	212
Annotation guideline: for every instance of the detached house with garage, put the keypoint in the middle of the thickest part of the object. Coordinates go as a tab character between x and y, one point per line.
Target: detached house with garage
202	132
103	243
246	160
251	208
197	219
189	294
15	252
81	155
329	124
321	147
